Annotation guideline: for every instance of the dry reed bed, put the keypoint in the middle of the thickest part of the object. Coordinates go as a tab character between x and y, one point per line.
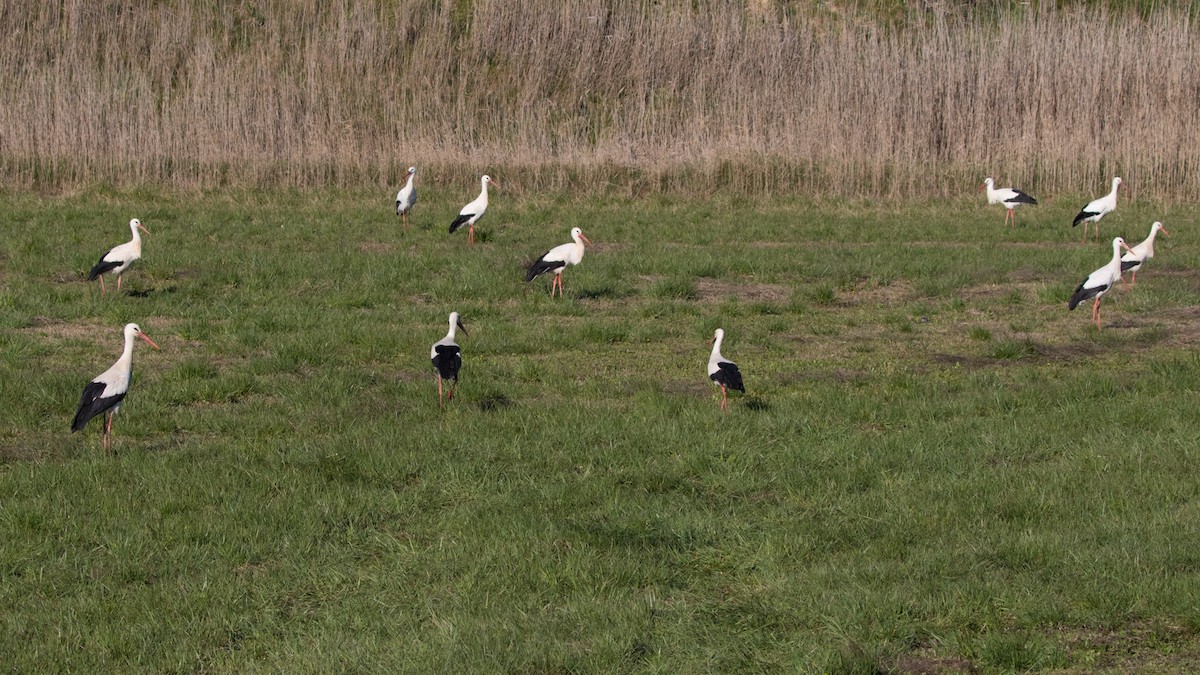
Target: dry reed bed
308	92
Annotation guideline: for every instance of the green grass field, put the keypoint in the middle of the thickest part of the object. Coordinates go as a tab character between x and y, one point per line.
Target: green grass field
936	466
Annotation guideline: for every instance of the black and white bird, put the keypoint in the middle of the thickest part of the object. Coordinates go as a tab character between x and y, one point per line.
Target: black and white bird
1009	197
104	394
556	260
1099	282
119	258
723	372
406	197
471	213
1140	253
1098	208
447	357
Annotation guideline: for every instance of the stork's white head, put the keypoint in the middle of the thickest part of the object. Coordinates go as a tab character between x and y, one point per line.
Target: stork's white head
456	322
132	330
412	170
577	234
718	335
1158	226
1117	182
135	225
987	183
487	180
1119	244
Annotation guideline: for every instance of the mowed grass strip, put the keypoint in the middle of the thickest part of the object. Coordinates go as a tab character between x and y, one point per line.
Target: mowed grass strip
935	465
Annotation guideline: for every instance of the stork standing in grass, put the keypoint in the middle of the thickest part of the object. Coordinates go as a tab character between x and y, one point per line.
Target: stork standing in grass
556	260
471	213
447	357
104	394
406	197
1098	208
1009	197
119	258
1139	254
723	372
1099	282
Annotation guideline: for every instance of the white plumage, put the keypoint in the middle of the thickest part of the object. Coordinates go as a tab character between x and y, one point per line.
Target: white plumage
471	213
406	197
1009	197
1098	208
1099	282
447	357
104	394
1139	254
556	260
723	372
119	258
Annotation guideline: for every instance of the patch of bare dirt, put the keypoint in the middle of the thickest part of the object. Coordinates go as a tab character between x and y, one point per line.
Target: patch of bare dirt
930	665
1029	274
689	388
57	329
1144	648
376	247
873	293
709	289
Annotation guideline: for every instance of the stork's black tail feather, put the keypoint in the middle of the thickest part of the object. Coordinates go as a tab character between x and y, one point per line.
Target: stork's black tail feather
102	267
460	221
1082	294
540	266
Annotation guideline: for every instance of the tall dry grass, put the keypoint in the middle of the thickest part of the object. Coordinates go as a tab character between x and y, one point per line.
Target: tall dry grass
617	95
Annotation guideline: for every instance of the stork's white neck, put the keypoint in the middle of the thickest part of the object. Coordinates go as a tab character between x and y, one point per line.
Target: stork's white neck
716	349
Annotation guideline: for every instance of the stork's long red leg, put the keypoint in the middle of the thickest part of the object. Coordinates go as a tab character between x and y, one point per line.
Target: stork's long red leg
103	290
118	282
470	234
439	381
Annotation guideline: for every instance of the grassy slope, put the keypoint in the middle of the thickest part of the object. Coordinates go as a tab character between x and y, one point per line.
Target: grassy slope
936	463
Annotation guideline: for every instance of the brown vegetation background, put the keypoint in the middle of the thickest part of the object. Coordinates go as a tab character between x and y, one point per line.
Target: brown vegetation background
590	94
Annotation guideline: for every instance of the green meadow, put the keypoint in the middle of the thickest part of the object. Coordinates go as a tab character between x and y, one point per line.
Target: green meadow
936	467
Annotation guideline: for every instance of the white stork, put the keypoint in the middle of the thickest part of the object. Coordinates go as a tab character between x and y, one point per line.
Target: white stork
103	395
556	260
1140	253
1098	208
447	357
119	258
723	372
1009	197
406	197
472	212
1099	282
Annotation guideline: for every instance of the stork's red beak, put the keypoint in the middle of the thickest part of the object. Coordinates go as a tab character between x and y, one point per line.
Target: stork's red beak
584	237
147	339
1164	231
143	228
